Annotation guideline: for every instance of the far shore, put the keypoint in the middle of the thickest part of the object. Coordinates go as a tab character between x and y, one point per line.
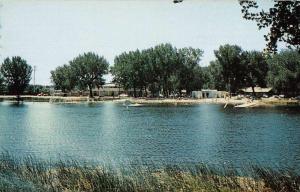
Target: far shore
265	102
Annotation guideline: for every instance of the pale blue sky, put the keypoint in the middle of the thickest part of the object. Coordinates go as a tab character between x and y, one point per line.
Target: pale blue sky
49	33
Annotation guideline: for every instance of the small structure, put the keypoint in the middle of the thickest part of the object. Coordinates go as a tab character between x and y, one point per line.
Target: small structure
259	91
114	90
208	93
109	89
197	94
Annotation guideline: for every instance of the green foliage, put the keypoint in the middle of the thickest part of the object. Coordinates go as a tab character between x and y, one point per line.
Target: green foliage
161	68
256	68
130	70
89	69
283	21
189	72
63	78
229	57
168	70
284	72
2	86
17	74
235	69
213	76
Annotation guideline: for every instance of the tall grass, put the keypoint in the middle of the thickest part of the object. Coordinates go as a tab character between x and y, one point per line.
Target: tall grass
30	174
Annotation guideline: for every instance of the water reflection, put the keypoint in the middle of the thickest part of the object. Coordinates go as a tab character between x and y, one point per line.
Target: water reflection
109	131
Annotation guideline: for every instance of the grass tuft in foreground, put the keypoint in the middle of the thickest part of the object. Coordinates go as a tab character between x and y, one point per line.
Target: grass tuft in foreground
30	174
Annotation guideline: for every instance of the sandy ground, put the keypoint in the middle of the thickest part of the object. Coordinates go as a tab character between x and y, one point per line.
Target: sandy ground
184	101
265	102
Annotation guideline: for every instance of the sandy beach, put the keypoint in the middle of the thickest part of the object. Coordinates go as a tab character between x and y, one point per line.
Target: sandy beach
264	102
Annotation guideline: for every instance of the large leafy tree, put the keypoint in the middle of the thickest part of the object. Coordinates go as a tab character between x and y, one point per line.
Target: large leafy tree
256	69
165	60
232	71
17	74
137	71
160	68
282	20
284	72
120	71
89	69
152	69
189	72
213	78
127	70
63	78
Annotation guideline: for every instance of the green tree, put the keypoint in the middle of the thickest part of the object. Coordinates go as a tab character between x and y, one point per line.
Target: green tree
138	71
198	81
190	74
17	74
63	78
152	68
213	78
284	72
256	69
89	69
124	71
160	68
165	60
282	20
120	71
2	86
232	70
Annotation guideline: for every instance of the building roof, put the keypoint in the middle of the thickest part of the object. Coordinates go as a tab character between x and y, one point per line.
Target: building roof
257	90
109	85
209	90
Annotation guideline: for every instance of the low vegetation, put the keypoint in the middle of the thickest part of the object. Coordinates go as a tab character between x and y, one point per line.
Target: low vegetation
30	174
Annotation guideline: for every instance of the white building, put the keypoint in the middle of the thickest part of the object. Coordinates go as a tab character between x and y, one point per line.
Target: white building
208	93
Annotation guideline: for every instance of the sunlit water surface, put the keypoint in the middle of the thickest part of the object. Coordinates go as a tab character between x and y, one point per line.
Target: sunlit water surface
110	132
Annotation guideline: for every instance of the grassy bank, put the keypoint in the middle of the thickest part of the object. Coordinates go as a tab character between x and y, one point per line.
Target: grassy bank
30	174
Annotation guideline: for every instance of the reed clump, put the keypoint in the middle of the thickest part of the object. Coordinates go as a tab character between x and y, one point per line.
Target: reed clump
29	174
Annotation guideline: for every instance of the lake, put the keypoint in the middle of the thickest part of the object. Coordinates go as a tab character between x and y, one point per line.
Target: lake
110	132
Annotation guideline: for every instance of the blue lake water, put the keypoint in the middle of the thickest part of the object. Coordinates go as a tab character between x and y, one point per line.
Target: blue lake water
168	134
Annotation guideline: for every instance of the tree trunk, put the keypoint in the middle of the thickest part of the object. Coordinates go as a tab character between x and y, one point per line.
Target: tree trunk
141	92
134	92
229	89
253	90
91	91
146	94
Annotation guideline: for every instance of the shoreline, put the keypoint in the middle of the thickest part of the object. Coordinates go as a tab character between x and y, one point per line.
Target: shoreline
264	102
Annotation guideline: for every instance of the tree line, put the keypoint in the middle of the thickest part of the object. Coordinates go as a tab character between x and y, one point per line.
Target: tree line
163	68
170	70
167	70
